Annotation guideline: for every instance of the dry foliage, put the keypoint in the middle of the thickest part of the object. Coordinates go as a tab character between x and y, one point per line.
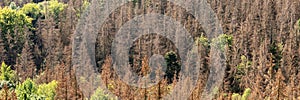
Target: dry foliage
264	55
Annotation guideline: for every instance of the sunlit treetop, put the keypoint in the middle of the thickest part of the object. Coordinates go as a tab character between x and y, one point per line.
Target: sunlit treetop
11	19
32	10
52	8
7	74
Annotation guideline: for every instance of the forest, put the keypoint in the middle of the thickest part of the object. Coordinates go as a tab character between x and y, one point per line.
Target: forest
260	40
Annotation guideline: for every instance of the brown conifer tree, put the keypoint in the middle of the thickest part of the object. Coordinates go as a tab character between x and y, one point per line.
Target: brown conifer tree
25	64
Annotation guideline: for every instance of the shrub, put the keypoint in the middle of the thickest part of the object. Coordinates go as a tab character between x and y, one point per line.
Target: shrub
203	41
8	76
100	95
243	66
52	8
47	90
12	21
235	96
28	90
173	66
245	95
222	41
32	10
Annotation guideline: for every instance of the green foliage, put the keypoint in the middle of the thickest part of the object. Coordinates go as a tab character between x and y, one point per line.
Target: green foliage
56	7
225	95
173	66
83	8
28	90
236	96
32	10
13	6
135	1
7	82
100	95
47	90
13	24
244	64
245	95
241	70
52	8
276	49
16	22
203	41
8	76
6	73
222	41
13	20
86	3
